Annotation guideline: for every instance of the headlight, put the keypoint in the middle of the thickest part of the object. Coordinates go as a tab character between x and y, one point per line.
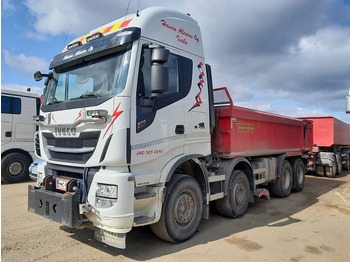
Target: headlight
104	202
108	191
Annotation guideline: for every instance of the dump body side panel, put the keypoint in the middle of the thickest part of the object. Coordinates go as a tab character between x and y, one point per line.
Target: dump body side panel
246	132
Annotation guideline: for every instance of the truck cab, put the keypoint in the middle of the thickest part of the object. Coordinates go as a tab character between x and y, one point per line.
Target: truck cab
126	107
17	133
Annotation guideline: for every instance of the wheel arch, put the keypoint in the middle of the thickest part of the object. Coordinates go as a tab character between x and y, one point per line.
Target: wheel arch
195	167
17	150
239	163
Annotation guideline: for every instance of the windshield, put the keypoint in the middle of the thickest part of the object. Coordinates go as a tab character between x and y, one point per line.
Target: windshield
100	77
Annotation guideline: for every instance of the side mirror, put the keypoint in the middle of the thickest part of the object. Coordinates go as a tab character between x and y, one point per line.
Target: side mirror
159	72
347	103
38	76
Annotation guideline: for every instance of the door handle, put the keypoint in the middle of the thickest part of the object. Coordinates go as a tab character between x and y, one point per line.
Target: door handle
8	134
180	129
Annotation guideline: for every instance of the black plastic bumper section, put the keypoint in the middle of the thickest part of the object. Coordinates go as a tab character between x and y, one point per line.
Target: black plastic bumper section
56	206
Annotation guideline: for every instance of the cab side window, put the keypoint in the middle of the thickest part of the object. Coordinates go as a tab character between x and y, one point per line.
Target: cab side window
180	79
10	105
144	80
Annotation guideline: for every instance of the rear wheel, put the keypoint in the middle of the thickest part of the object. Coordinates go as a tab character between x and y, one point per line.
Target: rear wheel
339	164
14	168
346	165
235	203
331	171
283	184
298	175
182	210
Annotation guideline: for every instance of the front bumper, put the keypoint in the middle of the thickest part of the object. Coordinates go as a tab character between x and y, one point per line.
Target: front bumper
59	207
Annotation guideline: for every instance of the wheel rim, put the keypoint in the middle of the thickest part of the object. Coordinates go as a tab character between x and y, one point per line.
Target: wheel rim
184	209
15	168
239	193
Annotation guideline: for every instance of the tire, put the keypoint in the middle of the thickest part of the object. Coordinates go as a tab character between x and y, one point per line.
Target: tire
14	168
235	203
331	171
283	184
298	175
339	164
346	165
182	210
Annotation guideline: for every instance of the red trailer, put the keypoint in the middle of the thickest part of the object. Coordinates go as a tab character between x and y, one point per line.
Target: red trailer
274	146
331	145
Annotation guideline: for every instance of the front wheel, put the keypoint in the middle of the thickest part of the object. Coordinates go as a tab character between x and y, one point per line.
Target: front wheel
235	203
14	168
182	210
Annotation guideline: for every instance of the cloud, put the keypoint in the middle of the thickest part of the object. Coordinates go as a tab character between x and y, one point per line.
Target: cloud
25	64
7	5
74	17
264	51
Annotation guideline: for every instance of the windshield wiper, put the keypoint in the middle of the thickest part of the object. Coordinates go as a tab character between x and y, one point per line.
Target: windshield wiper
87	95
54	102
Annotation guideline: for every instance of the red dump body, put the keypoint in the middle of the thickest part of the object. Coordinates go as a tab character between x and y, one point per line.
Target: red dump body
329	131
245	132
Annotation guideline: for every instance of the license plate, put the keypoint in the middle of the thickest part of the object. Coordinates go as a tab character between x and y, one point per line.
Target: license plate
61	184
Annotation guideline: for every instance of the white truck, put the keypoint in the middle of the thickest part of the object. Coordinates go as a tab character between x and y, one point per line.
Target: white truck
125	135
17	133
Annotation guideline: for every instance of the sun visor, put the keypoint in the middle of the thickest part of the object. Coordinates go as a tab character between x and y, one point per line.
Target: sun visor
97	43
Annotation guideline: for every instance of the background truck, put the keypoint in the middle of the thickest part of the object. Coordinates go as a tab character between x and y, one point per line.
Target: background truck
131	133
331	138
17	133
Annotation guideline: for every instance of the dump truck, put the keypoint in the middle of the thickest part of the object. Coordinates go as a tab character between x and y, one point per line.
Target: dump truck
331	138
132	133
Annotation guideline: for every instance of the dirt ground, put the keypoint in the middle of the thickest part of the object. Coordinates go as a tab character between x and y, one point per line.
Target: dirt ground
312	225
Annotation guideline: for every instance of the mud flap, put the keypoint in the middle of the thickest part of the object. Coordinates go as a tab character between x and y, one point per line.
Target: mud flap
59	207
110	238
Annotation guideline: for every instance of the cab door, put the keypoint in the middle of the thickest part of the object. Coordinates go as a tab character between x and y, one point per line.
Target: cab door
158	124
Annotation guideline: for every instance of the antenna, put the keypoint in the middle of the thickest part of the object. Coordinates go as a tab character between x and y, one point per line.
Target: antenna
127	9
138	8
65	40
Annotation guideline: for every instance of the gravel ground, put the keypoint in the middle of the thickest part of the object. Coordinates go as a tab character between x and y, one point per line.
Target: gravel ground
312	225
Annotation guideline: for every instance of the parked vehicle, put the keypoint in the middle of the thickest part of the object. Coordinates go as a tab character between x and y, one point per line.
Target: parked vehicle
17	133
331	138
132	134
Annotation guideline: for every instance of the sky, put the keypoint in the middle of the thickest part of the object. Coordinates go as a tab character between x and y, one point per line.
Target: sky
281	56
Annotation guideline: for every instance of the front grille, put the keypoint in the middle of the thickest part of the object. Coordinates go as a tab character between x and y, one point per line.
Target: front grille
74	150
69	157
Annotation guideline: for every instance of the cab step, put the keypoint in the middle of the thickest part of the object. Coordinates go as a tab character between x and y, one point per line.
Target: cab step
143	220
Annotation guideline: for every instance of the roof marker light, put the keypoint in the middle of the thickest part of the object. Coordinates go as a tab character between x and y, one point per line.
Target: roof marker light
73	45
94	37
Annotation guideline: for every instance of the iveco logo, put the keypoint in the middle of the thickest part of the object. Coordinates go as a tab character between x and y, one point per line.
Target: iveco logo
65	131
